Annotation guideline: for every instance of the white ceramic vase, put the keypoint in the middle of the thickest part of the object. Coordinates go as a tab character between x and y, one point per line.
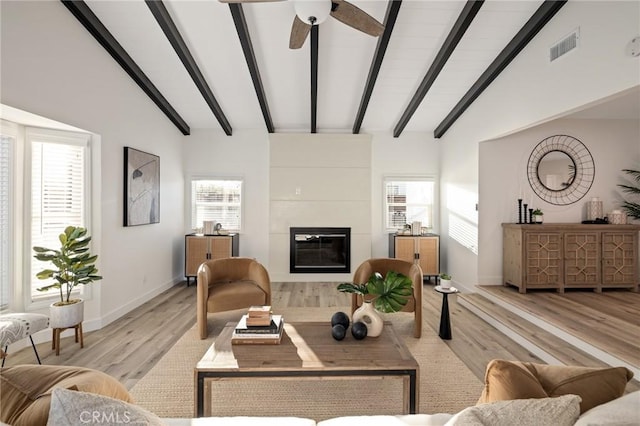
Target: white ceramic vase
446	284
367	314
65	316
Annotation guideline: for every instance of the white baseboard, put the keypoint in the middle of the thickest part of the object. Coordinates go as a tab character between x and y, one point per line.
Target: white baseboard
96	323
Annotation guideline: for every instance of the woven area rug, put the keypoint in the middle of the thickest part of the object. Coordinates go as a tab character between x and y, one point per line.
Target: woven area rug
446	384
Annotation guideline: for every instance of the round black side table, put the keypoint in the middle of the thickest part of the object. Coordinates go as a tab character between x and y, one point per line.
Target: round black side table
445	322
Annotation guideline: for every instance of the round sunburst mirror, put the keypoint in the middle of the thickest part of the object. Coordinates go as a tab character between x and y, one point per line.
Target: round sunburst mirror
561	170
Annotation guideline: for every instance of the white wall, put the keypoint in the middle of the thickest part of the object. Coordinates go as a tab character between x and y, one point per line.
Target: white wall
244	155
614	145
532	91
410	154
319	180
52	67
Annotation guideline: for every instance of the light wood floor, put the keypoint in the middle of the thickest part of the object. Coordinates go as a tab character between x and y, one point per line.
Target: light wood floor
129	347
609	320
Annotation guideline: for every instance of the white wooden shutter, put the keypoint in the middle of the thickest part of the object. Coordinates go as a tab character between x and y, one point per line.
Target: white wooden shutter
58	190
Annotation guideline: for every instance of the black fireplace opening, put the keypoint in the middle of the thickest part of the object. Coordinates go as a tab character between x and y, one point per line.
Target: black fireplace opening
320	250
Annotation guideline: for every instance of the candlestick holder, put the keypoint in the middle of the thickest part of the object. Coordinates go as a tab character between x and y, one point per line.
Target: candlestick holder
525	213
530	215
519	210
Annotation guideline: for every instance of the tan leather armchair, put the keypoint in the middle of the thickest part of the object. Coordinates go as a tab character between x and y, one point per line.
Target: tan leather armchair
228	284
384	265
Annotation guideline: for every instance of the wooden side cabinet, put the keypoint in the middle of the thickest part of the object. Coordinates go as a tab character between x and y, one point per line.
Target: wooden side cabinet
198	248
562	256
423	250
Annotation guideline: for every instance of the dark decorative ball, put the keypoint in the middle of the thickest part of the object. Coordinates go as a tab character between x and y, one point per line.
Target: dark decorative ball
340	318
359	330
338	331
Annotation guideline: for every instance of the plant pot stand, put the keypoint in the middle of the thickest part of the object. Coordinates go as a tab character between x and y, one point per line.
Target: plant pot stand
55	342
445	322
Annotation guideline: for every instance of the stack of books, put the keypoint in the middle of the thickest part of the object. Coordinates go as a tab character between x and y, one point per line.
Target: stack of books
259	316
258	326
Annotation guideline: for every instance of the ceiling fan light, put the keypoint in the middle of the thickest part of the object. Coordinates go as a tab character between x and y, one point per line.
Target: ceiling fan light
309	9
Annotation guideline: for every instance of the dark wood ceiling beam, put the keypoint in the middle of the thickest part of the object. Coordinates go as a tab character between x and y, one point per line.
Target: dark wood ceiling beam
539	19
314	77
393	7
247	47
170	30
90	21
469	12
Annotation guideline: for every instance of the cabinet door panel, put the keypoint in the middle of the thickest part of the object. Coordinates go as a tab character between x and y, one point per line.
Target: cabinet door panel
582	259
405	248
543	259
220	247
196	253
619	258
428	252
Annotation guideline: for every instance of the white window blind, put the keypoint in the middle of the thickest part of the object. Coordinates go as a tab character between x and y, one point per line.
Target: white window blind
217	200
409	200
58	198
6	238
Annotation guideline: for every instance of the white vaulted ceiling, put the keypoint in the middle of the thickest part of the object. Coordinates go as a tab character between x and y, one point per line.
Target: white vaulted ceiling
344	59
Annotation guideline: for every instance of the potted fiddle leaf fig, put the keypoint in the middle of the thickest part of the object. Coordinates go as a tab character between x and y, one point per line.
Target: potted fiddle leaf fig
73	265
379	294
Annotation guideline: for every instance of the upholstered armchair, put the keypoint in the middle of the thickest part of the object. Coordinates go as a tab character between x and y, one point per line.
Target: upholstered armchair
228	284
384	265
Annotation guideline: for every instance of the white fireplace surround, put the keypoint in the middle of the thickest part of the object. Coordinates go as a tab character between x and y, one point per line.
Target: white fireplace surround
318	180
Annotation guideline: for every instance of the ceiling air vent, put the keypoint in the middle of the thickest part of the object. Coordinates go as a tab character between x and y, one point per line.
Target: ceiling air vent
564	46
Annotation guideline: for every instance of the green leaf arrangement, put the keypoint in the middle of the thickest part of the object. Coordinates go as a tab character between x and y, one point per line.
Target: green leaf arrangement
389	294
632	209
74	264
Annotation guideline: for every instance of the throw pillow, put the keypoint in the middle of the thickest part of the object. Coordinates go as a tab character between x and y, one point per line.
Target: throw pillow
70	407
506	380
623	411
595	385
25	390
560	411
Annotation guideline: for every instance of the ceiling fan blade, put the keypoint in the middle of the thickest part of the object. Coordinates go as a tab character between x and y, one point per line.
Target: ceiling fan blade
355	17
247	1
299	33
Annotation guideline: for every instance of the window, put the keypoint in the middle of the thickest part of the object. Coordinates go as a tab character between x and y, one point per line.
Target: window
45	185
58	185
408	200
7	142
218	200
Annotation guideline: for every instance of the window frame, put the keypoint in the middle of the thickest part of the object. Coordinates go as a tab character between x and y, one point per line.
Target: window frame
190	201
11	130
31	300
410	178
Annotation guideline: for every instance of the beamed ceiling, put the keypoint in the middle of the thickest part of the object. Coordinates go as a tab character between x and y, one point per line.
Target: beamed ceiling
214	65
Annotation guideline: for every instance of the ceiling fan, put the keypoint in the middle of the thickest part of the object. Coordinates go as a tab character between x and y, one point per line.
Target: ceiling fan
314	12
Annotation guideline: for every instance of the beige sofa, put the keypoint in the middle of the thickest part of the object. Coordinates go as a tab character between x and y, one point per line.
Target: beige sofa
557	411
514	393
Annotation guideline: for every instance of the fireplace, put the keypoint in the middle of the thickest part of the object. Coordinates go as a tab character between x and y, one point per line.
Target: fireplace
320	250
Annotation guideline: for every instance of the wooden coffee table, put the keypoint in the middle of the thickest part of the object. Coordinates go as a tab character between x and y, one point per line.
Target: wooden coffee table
308	351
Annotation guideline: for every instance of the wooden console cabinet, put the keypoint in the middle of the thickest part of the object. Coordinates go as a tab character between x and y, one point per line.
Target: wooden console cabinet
565	255
423	250
198	248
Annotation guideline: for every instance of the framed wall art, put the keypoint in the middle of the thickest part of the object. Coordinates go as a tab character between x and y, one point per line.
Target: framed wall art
141	187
